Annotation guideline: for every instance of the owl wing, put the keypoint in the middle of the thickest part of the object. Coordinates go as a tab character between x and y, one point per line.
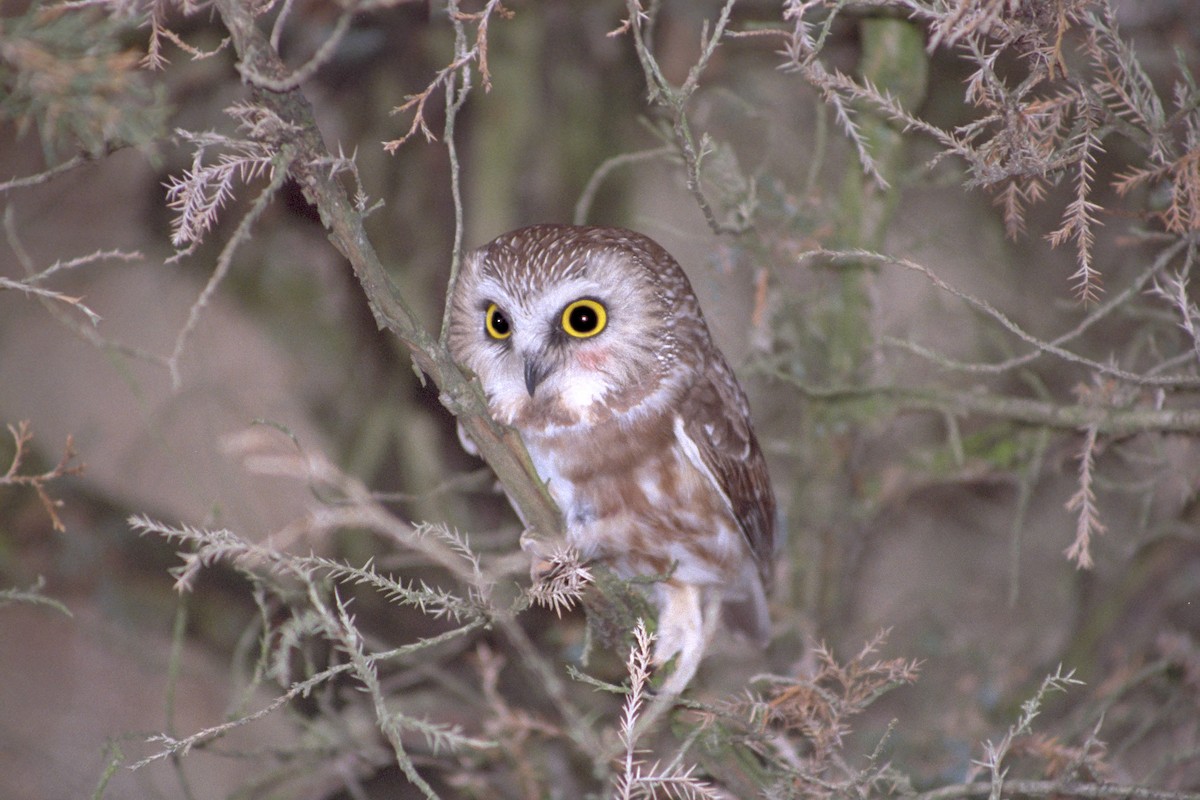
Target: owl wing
714	418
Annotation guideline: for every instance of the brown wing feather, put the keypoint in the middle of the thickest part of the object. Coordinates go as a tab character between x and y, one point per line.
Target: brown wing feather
716	417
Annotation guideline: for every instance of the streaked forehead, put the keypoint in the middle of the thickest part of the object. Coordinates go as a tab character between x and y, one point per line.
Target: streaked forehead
532	258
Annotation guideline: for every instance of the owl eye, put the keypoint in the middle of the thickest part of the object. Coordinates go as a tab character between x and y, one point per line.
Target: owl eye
584	318
496	323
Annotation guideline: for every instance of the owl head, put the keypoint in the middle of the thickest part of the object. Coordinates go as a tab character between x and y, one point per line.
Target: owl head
564	321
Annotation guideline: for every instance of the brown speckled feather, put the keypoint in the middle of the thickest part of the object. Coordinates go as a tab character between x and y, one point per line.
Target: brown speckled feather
717	418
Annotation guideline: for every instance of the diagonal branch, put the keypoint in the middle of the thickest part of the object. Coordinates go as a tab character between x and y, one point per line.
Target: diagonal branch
501	447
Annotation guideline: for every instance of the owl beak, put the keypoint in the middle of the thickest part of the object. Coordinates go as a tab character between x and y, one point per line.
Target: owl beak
535	373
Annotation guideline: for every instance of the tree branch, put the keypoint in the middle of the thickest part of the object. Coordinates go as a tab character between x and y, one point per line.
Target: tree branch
1076	416
1057	789
839	258
501	447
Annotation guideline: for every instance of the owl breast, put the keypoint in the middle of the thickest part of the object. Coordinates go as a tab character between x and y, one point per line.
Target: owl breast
591	343
633	497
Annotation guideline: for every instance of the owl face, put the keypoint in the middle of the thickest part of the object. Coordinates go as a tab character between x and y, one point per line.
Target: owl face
564	323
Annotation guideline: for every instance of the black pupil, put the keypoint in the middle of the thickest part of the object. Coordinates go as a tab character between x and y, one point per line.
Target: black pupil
499	322
584	319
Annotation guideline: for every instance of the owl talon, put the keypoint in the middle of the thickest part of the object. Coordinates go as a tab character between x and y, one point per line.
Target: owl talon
541	560
540	569
681	632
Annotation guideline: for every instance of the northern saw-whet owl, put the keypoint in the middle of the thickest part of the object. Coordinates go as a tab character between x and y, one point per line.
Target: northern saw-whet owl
590	342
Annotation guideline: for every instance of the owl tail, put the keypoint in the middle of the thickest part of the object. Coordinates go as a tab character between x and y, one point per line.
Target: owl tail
747	613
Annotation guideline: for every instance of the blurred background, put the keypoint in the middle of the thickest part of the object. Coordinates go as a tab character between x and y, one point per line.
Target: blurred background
908	506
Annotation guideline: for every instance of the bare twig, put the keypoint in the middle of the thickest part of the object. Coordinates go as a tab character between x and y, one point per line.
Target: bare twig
302	73
584	205
475	54
50	294
674	100
458	88
279	174
45	175
1110	421
22	436
1174	290
32	595
855	257
87	332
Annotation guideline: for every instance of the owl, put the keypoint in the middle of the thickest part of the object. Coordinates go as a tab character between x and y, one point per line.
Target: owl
590	342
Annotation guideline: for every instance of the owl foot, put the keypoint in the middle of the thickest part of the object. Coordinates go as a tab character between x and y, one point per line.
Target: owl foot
685	624
541	556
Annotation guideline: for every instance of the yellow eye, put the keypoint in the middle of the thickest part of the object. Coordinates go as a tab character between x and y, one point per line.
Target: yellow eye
496	323
584	318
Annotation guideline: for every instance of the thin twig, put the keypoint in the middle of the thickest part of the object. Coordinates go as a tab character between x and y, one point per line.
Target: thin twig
34	596
856	257
458	88
583	206
83	261
675	100
170	745
1075	416
45	175
22	436
302	73
50	294
225	262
